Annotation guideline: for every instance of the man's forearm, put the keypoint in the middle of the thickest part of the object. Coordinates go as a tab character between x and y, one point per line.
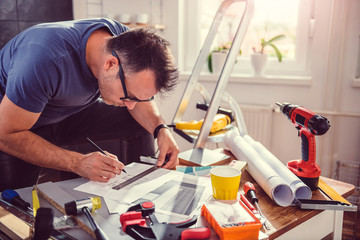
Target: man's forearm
36	150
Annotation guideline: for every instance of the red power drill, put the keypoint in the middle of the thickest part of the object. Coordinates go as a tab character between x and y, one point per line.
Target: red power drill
309	124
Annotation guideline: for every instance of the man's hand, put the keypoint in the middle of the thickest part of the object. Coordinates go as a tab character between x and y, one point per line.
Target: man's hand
167	147
98	167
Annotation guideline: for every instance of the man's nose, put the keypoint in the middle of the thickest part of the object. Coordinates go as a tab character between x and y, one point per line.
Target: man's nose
130	105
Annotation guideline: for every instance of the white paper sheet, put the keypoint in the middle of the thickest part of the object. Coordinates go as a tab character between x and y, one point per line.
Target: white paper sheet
133	191
174	193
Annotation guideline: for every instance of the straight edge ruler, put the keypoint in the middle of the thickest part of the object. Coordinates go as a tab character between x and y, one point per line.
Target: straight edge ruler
135	178
331	193
30	220
336	202
325	205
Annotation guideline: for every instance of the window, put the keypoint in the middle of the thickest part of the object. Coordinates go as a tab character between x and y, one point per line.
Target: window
292	18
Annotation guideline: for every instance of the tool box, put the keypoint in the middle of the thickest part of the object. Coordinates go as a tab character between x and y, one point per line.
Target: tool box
231	219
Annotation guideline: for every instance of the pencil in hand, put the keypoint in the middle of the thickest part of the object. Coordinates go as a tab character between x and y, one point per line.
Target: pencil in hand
102	151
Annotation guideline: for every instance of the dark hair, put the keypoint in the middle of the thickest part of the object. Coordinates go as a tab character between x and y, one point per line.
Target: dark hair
140	49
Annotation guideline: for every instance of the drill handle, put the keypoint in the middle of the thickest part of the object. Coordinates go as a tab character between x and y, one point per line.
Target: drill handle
308	146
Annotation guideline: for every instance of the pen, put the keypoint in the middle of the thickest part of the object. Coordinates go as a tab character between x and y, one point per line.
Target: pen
98	148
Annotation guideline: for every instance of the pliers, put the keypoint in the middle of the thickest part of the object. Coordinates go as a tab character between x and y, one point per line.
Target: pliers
134	223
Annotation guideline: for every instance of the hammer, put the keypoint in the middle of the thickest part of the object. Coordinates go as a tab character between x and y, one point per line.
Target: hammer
85	206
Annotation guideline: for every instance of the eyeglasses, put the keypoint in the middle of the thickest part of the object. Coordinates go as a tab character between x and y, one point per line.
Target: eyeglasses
122	78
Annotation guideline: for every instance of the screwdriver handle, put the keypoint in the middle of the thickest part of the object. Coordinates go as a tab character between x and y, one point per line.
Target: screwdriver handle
249	190
14	198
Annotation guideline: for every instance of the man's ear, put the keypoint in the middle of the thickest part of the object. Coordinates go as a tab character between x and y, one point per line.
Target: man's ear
111	62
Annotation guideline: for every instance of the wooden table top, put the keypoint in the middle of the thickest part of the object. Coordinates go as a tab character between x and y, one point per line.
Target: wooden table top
282	219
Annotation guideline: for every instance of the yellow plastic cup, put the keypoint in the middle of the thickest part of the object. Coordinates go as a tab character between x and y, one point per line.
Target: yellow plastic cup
225	182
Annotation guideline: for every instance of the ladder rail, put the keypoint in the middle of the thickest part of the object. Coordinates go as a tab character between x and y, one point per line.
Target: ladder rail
191	84
225	74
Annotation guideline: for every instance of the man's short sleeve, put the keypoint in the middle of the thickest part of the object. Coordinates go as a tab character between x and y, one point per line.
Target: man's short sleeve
33	78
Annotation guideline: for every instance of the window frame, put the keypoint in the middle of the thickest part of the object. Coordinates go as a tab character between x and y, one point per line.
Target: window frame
300	66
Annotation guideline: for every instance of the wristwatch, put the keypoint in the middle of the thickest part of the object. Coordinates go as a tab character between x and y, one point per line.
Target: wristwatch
157	129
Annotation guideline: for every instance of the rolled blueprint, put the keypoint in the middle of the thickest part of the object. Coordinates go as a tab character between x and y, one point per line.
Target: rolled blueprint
262	172
300	189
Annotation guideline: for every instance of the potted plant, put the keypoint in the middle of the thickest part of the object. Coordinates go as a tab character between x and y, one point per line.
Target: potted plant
217	57
259	58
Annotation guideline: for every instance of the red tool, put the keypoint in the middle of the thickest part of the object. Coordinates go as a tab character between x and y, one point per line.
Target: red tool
250	206
249	190
140	222
309	124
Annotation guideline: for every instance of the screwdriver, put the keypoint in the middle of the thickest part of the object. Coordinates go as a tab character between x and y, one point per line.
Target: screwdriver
249	190
14	198
250	206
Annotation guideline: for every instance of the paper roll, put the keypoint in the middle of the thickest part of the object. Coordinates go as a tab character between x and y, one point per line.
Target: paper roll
300	189
260	170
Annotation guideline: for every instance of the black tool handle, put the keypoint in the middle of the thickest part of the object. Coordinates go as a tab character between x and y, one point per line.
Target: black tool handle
227	112
13	197
100	235
43	224
308	146
249	190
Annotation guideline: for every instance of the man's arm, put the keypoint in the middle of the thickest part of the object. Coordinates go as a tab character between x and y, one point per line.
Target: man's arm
17	140
148	115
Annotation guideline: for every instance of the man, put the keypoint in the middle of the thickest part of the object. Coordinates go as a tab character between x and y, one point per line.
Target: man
62	82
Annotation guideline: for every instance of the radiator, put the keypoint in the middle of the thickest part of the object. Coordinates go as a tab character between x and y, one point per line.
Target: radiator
258	120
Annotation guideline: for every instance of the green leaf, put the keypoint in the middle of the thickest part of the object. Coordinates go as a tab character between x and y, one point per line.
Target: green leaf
278	53
278	37
209	62
270	43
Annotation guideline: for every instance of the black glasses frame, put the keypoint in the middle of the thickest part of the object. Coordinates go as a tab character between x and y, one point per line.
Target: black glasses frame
122	79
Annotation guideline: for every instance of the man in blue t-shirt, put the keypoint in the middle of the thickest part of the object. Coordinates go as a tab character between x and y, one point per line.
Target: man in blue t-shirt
62	82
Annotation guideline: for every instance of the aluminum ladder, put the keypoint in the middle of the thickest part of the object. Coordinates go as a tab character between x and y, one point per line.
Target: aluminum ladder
219	92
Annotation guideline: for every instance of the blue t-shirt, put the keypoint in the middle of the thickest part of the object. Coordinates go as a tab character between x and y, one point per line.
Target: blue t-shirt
43	69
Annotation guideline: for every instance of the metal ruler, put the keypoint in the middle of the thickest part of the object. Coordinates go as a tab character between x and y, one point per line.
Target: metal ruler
23	215
135	178
325	205
337	201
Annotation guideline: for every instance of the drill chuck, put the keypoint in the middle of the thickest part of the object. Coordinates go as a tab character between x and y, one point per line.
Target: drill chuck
286	108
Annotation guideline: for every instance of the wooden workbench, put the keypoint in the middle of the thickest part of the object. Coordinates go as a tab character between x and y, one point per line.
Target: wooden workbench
294	223
285	222
285	219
